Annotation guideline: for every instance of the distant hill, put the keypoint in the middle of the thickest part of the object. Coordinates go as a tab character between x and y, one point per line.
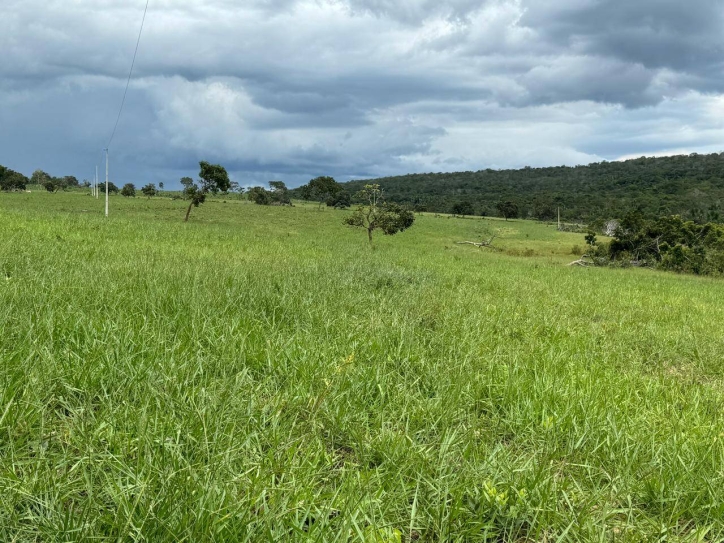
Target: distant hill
687	185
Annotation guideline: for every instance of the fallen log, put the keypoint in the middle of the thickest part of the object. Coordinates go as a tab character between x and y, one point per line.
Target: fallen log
480	244
582	262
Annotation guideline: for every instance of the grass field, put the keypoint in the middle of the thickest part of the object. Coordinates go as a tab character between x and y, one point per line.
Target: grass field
262	374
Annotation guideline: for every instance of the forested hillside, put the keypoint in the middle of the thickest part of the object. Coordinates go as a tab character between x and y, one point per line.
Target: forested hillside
689	185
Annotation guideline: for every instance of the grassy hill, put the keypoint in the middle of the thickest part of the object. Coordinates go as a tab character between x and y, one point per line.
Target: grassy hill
687	185
262	373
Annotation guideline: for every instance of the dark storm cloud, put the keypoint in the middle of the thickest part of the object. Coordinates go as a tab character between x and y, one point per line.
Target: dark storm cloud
297	88
681	36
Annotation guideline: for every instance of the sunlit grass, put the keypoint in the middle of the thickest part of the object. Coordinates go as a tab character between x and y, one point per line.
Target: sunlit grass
263	374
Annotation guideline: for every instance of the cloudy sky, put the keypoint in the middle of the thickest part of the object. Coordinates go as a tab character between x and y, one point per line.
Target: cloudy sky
292	89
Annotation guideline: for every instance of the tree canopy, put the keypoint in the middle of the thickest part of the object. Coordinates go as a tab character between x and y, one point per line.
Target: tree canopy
149	190
278	195
213	178
320	189
12	180
667	243
691	186
377	214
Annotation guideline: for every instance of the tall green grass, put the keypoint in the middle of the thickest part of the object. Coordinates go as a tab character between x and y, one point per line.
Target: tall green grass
262	374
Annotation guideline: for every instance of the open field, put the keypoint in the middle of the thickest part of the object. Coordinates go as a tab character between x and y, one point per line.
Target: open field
261	373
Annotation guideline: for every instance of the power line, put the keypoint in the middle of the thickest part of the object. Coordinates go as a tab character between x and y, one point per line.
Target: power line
130	73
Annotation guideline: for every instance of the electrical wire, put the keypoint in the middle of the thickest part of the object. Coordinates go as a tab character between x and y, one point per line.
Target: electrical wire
130	74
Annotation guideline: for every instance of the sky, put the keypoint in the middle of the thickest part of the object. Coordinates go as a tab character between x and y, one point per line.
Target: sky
294	89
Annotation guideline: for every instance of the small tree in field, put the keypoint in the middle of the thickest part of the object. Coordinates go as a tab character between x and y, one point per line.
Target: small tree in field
321	189
186	182
160	186
149	190
212	178
379	215
509	210
259	195
280	193
128	190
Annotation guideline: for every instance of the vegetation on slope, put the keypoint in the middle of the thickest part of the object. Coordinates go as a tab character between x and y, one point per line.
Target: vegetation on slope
667	243
691	186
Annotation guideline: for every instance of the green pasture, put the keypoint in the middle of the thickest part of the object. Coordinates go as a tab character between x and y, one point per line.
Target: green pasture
263	374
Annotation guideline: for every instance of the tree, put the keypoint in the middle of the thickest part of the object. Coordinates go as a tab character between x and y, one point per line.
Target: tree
260	196
160	186
149	190
54	184
70	181
186	182
509	210
341	200
11	180
379	215
320	189
112	188
39	177
212	178
237	189
463	208
128	190
279	193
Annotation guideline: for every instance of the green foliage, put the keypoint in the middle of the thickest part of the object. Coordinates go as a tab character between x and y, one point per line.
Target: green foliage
112	188
590	238
508	209
259	195
669	243
341	200
280	193
236	188
11	180
213	179
149	190
52	185
70	181
688	185
40	177
320	189
462	208
391	218
128	190
186	182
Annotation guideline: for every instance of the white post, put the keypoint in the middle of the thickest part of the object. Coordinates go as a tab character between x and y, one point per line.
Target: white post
559	218
106	182
95	192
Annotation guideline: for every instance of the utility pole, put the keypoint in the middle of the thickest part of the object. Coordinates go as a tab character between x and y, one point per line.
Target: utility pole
559	217
106	182
95	192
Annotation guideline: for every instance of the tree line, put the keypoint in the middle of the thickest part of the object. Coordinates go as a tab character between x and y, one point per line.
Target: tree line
691	186
11	180
666	243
